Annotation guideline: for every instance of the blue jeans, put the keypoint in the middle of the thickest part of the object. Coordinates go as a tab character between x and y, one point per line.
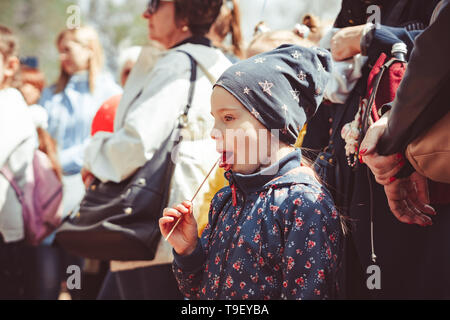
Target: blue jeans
49	265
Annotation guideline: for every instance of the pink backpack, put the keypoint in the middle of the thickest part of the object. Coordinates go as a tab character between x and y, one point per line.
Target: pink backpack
41	198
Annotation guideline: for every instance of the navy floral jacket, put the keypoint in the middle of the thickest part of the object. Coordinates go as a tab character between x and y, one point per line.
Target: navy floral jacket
280	239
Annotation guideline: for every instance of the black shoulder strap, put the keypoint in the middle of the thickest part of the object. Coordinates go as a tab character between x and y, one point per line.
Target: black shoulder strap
193	78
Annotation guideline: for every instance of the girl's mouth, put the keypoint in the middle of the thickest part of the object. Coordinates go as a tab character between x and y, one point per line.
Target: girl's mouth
227	160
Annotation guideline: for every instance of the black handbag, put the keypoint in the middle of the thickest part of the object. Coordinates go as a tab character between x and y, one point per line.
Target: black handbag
120	221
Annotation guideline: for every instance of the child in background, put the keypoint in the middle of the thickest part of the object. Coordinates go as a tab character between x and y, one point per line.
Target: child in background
228	23
274	233
31	83
72	102
17	145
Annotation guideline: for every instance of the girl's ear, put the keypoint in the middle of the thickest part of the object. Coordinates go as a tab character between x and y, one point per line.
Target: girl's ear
11	66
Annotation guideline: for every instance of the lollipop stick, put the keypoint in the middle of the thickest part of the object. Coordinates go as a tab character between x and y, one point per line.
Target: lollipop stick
196	192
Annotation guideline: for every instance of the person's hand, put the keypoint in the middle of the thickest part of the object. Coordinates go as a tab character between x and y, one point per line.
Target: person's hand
87	177
346	42
184	237
384	168
408	200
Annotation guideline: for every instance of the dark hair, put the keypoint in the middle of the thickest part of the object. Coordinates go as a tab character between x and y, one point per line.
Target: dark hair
229	21
199	14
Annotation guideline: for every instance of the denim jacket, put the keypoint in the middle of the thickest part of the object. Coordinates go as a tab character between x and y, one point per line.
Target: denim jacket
70	114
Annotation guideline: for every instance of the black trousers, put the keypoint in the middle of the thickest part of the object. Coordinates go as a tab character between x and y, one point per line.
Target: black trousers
149	283
12	270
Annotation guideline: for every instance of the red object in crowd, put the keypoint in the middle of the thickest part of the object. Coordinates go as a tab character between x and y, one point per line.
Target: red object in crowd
389	83
104	118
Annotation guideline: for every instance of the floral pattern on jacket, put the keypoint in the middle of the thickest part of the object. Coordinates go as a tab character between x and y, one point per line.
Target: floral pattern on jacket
281	240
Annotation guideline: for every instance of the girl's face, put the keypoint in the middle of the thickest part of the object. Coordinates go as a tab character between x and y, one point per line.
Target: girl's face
74	56
243	142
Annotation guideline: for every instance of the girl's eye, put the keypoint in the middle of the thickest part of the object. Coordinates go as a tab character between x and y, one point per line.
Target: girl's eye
228	118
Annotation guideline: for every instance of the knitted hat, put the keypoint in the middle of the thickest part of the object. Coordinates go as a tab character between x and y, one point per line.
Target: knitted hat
282	88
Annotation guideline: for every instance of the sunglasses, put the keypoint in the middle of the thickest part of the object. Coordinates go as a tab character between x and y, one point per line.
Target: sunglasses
153	5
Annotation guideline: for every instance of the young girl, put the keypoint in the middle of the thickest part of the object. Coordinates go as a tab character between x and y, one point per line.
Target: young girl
274	233
72	102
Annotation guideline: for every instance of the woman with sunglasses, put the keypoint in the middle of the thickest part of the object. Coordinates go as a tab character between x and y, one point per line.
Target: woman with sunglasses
155	94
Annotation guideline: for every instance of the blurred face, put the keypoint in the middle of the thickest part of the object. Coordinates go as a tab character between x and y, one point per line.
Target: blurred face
163	26
2	70
8	68
244	143
74	56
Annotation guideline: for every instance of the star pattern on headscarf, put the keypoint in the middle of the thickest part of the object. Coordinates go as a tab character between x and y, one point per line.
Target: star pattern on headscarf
260	60
301	76
278	68
320	52
285	109
266	87
320	66
238	73
255	113
295	94
296	54
246	90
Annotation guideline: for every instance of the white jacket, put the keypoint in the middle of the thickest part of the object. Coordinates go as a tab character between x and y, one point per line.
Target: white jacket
344	74
154	96
18	142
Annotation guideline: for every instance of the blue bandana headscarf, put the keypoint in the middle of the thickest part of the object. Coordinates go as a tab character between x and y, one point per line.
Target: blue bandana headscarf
282	88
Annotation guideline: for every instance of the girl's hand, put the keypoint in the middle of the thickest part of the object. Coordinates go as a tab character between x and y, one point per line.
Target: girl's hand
184	237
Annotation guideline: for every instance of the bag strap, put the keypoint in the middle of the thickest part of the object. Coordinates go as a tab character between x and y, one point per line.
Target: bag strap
368	111
182	123
10	177
183	119
208	74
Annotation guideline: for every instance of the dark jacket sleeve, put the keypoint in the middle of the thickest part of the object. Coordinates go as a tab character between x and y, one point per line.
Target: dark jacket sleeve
415	106
383	37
